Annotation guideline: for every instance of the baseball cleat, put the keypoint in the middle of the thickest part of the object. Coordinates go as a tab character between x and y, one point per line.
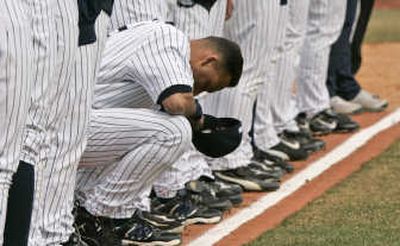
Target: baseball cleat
266	159
162	224
248	179
323	123
142	233
370	102
94	230
202	195
75	240
345	124
229	191
306	141
288	150
184	210
342	106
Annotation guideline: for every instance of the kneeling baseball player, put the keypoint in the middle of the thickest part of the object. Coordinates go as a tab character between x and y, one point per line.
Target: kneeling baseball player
142	122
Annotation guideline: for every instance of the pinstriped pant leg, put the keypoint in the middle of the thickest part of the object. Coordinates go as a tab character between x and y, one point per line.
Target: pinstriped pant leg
288	65
65	20
251	22
131	147
274	93
15	80
325	21
71	140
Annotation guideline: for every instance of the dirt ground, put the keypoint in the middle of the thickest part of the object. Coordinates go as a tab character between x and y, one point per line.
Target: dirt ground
387	4
380	74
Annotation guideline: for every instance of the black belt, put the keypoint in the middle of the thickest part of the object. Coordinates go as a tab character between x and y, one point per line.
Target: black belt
124	27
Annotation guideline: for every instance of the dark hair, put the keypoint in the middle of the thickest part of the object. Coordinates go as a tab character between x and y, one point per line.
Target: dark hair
232	59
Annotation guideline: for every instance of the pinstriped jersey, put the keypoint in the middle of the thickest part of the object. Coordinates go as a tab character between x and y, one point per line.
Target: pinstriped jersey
132	11
196	21
143	64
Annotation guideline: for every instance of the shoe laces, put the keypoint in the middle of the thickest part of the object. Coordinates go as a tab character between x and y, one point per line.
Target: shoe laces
140	231
183	209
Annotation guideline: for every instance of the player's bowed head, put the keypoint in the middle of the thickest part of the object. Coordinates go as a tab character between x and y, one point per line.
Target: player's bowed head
216	63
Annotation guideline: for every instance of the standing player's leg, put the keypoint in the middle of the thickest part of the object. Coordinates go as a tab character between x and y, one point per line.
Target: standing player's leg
66	29
341	83
34	146
251	22
325	21
284	110
347	95
15	82
269	100
366	7
276	96
71	140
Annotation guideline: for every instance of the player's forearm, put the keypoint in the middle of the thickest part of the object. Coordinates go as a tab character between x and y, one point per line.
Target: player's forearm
184	104
180	104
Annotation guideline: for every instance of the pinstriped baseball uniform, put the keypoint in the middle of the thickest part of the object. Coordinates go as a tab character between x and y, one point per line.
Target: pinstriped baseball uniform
284	109
129	144
306	16
69	114
15	81
197	23
66	28
251	22
264	132
132	11
313	95
44	85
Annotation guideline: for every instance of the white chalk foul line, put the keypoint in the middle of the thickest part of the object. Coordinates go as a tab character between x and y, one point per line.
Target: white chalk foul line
359	139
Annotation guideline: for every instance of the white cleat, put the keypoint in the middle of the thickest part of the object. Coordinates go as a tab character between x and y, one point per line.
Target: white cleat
370	102
342	106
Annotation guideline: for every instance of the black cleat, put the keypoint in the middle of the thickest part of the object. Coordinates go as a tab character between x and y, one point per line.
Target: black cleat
141	232
202	195
249	179
288	150
306	141
231	192
182	209
95	230
264	158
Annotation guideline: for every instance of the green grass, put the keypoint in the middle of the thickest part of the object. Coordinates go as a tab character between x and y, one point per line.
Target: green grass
384	26
363	210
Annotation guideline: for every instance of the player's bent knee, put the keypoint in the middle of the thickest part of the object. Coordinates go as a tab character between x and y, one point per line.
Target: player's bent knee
177	134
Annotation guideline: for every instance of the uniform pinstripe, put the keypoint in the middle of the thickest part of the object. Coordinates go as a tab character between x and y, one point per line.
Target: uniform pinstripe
269	98
15	81
197	23
137	142
127	12
69	113
284	110
313	26
44	54
251	22
313	95
66	29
